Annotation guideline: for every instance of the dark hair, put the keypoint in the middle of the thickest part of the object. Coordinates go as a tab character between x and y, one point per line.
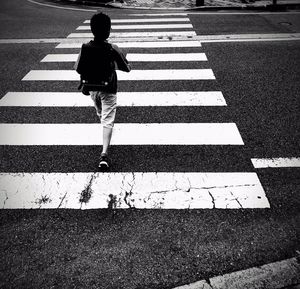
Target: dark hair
100	26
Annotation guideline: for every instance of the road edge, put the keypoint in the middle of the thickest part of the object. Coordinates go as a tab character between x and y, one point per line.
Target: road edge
120	5
275	275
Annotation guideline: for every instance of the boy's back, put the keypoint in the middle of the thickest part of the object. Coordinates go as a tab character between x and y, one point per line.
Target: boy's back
98	61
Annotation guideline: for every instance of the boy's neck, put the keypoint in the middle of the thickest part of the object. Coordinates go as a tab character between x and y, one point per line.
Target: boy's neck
99	40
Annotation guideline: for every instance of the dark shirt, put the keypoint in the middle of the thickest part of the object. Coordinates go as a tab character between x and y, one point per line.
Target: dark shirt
96	49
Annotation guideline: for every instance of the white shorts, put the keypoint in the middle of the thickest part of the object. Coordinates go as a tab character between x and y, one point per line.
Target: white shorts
105	104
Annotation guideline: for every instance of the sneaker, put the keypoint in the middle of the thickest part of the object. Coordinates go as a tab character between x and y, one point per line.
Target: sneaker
104	162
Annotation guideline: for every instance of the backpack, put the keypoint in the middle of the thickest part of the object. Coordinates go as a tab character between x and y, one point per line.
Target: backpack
96	67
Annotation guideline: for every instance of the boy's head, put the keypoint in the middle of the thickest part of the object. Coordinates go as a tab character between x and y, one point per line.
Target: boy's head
100	26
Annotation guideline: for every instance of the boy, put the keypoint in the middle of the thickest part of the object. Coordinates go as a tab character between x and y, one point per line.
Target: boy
89	63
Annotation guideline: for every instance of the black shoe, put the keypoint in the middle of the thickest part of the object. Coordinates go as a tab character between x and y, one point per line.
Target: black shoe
104	162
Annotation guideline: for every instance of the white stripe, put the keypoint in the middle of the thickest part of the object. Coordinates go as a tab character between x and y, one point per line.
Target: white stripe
136	34
202	38
248	37
243	13
124	134
144	57
60	58
249	40
147	20
140	44
159	14
71	99
276	163
147	190
146	26
45	99
25	41
141	57
161	74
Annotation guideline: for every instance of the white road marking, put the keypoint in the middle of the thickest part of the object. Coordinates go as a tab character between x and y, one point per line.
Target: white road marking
60	58
77	99
147	190
140	44
38	40
160	74
158	14
243	13
144	57
136	34
124	134
196	39
158	44
146	20
249	40
248	37
45	99
140	57
61	75
276	162
145	26
281	274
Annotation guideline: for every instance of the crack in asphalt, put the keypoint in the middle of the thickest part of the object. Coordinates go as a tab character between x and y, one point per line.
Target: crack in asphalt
236	199
212	199
87	192
6	199
130	192
62	199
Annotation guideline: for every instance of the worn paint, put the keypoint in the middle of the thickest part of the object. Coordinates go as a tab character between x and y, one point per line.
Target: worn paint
132	190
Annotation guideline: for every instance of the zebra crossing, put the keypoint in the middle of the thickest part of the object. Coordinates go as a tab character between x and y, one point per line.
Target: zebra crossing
163	74
145	57
137	44
124	134
147	189
146	98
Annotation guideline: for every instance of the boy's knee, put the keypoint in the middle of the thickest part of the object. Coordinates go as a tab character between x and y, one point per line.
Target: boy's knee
107	120
108	126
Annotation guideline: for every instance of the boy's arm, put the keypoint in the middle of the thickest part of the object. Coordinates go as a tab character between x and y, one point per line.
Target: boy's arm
120	60
77	61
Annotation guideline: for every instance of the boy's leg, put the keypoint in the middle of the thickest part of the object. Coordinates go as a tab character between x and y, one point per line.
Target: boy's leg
108	113
107	117
107	133
96	97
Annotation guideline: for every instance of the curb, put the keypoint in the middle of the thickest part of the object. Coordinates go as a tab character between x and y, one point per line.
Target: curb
115	5
278	7
277	275
119	5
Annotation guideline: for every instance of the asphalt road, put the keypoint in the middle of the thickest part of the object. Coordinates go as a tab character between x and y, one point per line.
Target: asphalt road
156	248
